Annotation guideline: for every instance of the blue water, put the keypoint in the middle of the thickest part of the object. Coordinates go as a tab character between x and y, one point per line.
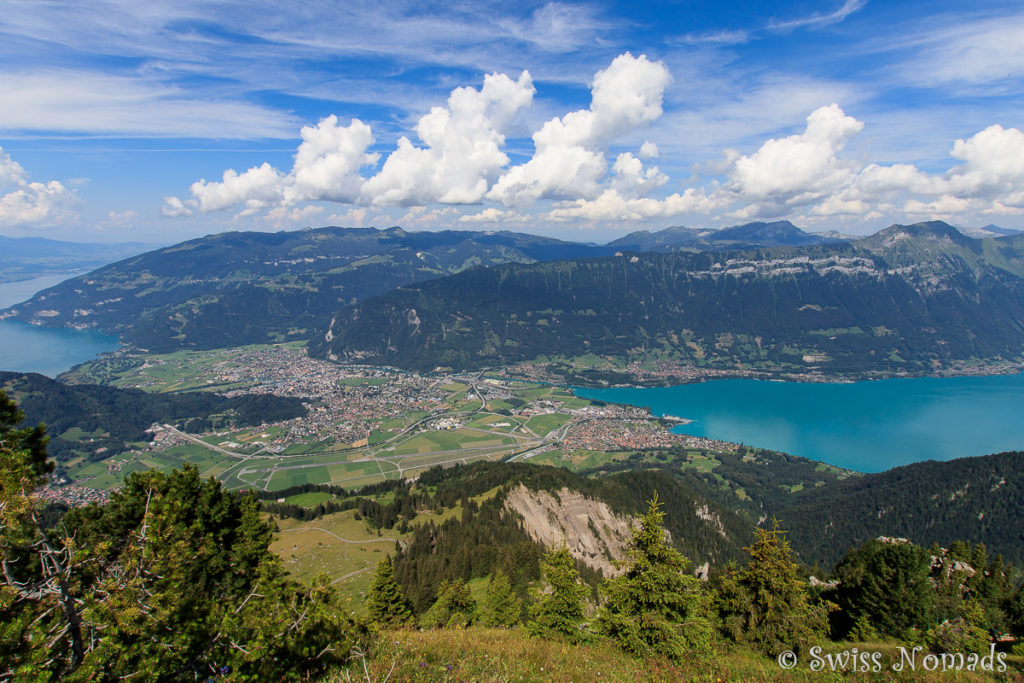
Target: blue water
15	292
865	426
48	351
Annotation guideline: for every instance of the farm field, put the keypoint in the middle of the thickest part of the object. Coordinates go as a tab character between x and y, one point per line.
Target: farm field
364	425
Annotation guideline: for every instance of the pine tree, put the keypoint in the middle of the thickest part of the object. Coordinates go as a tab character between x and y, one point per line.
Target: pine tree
768	603
501	606
385	601
887	584
455	604
558	610
171	579
656	607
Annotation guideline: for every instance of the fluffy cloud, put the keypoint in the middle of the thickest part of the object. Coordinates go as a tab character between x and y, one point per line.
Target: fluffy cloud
175	208
328	162
632	179
804	172
283	217
611	205
463	153
796	170
257	188
326	167
353	218
993	164
11	172
489	215
569	151
461	160
32	202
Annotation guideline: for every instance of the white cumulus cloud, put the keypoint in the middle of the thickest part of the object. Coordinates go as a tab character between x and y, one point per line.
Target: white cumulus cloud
611	205
462	156
797	170
328	161
326	167
569	152
31	202
488	215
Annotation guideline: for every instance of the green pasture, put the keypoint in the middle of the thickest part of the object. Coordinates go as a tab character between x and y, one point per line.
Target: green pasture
309	500
542	425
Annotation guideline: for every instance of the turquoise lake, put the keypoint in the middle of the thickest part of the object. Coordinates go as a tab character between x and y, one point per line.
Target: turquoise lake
27	348
865	426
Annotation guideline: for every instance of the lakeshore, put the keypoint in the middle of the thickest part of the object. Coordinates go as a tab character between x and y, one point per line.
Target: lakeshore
865	426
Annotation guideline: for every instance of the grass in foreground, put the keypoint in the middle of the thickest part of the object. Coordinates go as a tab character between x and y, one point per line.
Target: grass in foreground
480	654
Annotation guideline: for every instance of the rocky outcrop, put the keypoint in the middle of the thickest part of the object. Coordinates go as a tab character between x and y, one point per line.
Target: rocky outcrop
593	533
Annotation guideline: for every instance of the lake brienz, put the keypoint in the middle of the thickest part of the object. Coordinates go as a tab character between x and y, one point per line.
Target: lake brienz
48	351
865	426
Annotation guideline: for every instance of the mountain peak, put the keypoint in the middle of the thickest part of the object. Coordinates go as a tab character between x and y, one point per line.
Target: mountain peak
774	234
926	230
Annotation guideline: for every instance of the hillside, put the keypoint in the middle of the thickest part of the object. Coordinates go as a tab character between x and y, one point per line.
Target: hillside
251	287
828	511
91	420
746	236
911	299
497	534
974	499
711	512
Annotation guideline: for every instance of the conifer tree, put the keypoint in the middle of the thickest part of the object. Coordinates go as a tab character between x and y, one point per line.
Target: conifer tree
558	610
455	604
888	585
768	604
171	579
501	606
656	607
385	601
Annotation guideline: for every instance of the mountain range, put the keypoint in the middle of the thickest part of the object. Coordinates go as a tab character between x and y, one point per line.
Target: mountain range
748	236
919	298
766	296
252	287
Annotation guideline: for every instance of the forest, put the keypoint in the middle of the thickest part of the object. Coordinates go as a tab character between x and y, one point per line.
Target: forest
935	299
173	579
115	417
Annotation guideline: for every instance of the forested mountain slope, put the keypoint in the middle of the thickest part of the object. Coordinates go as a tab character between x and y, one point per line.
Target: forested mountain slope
711	514
974	499
910	299
109	417
252	287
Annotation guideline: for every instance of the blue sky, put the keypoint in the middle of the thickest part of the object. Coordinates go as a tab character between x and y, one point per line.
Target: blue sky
164	120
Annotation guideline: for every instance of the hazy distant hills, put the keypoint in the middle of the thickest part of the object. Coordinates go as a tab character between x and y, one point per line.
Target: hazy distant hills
990	231
911	298
748	236
253	287
28	257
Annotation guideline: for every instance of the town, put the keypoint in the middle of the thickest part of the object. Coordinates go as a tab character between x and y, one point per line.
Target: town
363	424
